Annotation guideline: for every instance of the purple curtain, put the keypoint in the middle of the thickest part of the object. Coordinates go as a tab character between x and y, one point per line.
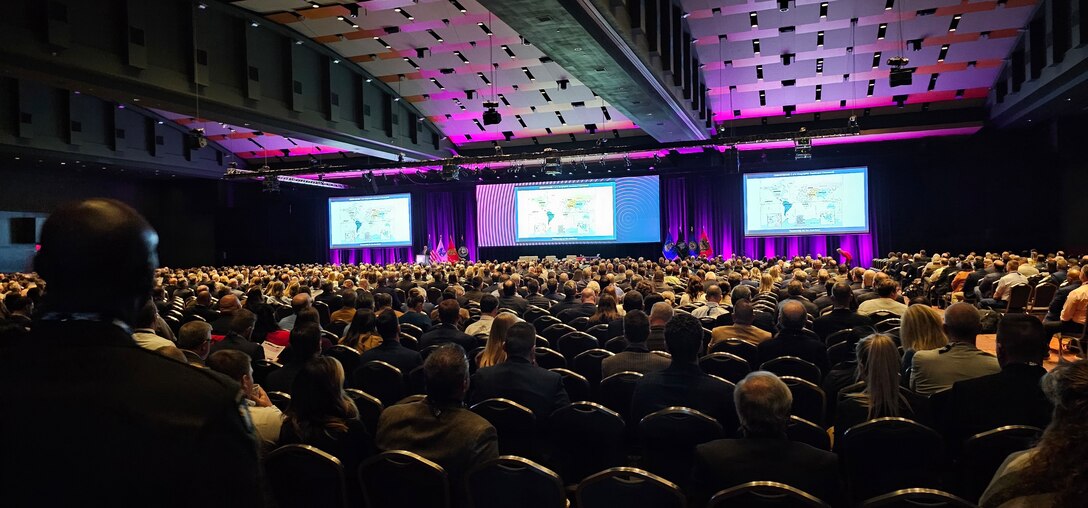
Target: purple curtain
694	204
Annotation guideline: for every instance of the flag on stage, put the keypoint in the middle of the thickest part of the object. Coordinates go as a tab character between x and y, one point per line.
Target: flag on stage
705	250
452	251
438	255
669	249
681	246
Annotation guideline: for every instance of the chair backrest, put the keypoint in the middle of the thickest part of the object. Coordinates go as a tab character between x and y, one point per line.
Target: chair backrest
615	391
725	365
532	313
579	323
866	450
542	322
809	401
409	341
549	358
280	399
554	331
577	387
846	335
323	313
411	329
769	494
804	431
573	344
887	324
370	408
793	366
742	348
586	437
301	476
841	352
1044	294
669	437
917	498
381	380
347	356
616	344
1018	298
337	327
983	454
262	368
600	332
425	352
514	423
514	481
881	315
628	487
402	478
588	364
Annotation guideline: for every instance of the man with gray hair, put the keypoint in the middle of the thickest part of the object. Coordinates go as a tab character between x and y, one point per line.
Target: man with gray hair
763	453
660	314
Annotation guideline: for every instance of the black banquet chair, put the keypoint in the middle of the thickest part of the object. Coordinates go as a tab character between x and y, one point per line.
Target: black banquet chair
586	437
549	358
262	368
669	438
303	476
370	408
514	423
514	481
727	366
917	498
867	453
381	380
615	391
809	401
804	431
628	487
543	322
402	478
588	365
575	343
764	494
281	400
741	348
793	366
553	332
347	356
577	387
983	454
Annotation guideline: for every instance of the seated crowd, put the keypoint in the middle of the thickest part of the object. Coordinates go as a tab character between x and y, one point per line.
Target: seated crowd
707	374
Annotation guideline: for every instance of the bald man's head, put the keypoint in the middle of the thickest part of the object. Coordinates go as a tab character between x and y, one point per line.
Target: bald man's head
792	315
229	304
300	302
588	295
962	322
84	241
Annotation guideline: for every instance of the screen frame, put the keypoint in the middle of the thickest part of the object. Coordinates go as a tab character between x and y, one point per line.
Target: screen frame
866	229
519	240
375	245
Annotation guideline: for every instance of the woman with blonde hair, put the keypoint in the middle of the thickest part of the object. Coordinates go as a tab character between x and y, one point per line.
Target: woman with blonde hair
766	284
494	352
877	393
921	329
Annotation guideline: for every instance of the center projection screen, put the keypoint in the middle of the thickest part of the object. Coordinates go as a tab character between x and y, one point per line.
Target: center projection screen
819	202
370	221
611	210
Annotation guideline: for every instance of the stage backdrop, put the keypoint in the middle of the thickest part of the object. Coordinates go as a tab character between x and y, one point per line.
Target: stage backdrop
444	215
693	204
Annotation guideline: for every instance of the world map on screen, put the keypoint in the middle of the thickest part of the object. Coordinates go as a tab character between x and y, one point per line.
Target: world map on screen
804	202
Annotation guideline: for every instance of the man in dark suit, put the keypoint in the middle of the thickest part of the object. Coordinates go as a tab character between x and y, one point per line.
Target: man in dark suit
519	379
203	307
391	351
764	453
449	312
553	293
149	419
305	343
632	300
241	328
415	315
1054	311
474	293
439	427
510	298
1010	397
660	315
794	290
636	357
793	340
228	306
534	297
841	316
683	383
587	308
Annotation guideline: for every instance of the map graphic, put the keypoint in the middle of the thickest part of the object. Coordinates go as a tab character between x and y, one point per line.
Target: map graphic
367	223
584	212
806	202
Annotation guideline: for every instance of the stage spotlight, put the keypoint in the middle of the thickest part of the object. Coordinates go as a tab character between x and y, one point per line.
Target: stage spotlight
491	115
271	183
802	149
197	140
451	172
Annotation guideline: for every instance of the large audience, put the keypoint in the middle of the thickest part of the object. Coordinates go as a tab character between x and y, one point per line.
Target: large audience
173	386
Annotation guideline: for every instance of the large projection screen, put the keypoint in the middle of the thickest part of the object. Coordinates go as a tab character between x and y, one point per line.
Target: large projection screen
370	221
612	210
819	202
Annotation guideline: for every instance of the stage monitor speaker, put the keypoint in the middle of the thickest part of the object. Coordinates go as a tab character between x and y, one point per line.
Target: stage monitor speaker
23	230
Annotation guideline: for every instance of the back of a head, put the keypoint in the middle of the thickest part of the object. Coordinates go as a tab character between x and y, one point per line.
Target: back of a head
229	362
632	300
962	322
921	329
147	316
792	316
661	312
744	312
488	304
841	293
1020	339
446	372
741	292
886	288
317	394
588	295
882	377
349	298
229	303
305	341
204	298
382	300
242	321
84	241
763	404
449	311
509	288
300	302
387	325
520	340
194	334
636	326
714	293
683	336
795	287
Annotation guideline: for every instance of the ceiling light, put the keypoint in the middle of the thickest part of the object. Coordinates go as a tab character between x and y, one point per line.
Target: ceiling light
315	5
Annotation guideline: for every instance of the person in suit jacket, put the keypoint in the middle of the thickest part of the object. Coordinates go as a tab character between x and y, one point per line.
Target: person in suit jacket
841	316
587	308
390	350
228	306
742	327
241	328
795	293
510	298
763	453
660	315
439	427
415	314
1010	397
148	419
935	370
534	297
636	357
449	313
519	379
794	340
1054	311
683	383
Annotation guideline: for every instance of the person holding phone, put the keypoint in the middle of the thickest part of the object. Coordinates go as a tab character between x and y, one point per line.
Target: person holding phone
267	418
